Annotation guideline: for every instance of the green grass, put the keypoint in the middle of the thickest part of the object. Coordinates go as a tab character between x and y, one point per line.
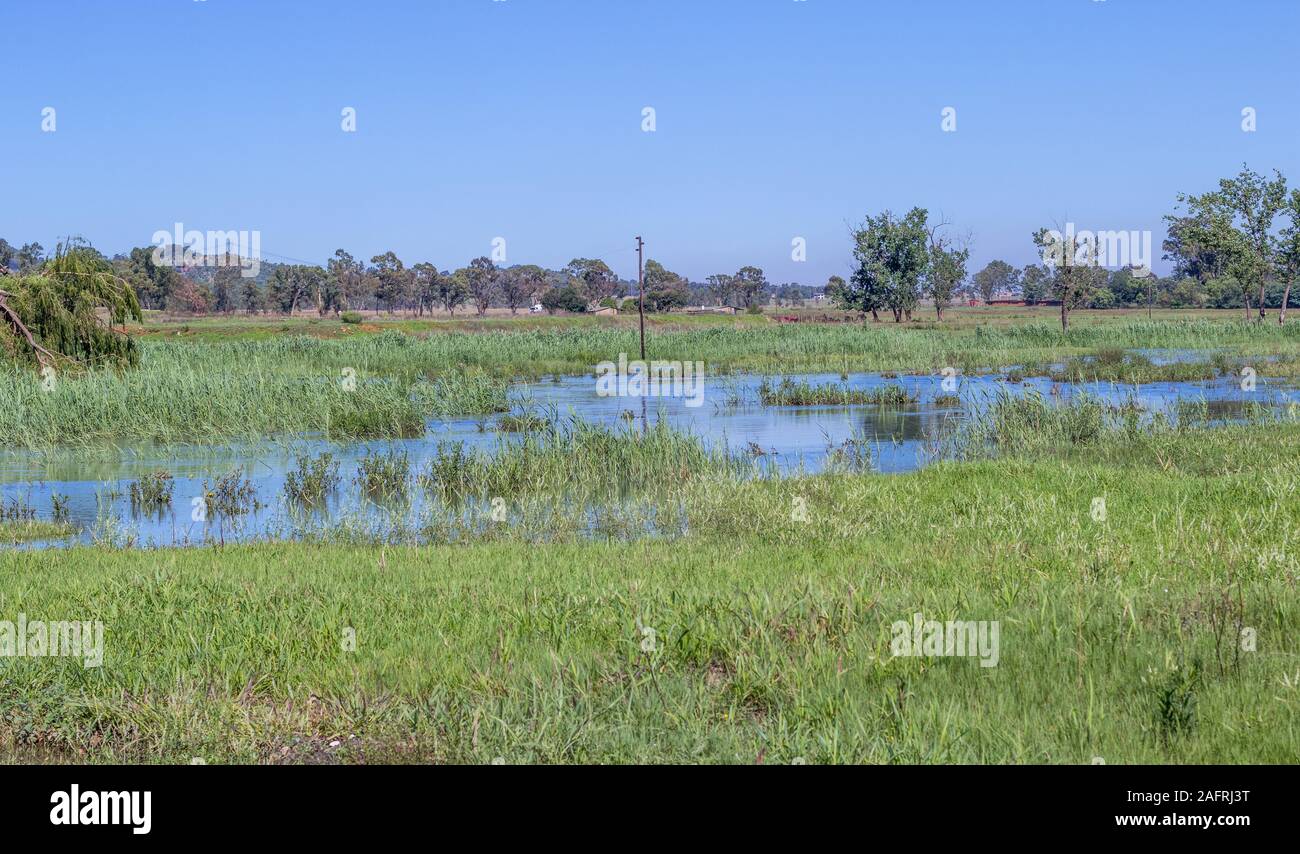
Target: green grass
377	386
216	389
789	392
771	635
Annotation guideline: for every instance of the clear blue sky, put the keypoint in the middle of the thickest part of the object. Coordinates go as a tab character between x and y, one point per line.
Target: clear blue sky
522	119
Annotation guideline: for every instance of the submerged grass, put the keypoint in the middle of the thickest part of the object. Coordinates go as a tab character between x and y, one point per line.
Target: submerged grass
14	532
575	457
790	392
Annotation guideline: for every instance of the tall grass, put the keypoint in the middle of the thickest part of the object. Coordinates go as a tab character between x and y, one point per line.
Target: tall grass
575	457
240	389
790	392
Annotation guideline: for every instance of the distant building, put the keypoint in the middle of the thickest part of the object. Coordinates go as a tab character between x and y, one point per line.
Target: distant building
604	311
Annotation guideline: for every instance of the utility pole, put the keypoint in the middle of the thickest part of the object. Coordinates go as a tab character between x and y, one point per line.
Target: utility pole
640	287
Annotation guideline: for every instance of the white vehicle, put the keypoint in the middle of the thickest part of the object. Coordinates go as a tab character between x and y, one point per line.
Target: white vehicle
536	309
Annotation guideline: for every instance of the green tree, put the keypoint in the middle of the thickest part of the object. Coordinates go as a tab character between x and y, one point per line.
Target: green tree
63	314
1034	284
567	298
483	279
996	276
351	277
664	289
225	289
254	301
1256	202
749	284
392	281
1289	250
452	290
945	273
1073	267
7	255
892	255
30	257
518	285
597	280
721	287
1234	226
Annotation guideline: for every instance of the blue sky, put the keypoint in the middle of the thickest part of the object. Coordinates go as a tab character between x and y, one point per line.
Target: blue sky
522	119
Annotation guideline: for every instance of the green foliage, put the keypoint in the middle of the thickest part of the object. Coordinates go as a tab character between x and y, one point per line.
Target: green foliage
350	317
996	276
892	255
567	298
69	308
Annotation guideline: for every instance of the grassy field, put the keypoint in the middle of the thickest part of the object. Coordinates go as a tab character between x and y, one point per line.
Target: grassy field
212	380
762	634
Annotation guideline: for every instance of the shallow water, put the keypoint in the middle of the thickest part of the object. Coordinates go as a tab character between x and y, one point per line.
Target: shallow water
789	438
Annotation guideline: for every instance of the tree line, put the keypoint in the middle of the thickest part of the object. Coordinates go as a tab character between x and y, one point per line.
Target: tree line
387	283
1237	246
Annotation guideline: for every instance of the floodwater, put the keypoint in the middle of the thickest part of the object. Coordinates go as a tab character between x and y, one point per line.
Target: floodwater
789	439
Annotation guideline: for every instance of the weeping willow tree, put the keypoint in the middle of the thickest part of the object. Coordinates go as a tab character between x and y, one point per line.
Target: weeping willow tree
64	314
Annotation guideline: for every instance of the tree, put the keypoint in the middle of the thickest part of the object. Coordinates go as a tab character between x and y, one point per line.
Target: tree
664	289
351	277
392	280
1256	202
1289	250
291	284
189	297
7	255
1074	269
424	287
224	291
996	276
567	298
30	257
532	280
1033	284
452	290
946	272
892	255
64	313
254	301
1233	226
519	285
835	286
721	287
153	283
748	284
597	280
1190	257
482	276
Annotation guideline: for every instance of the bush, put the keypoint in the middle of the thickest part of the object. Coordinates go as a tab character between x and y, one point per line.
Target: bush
350	317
